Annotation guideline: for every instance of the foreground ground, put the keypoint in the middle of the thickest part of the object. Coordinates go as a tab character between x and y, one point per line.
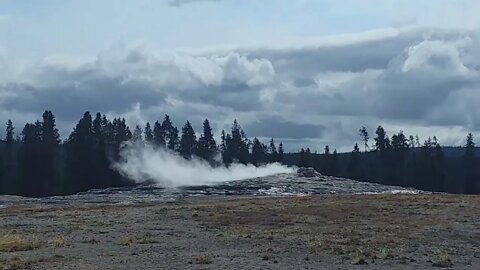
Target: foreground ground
319	232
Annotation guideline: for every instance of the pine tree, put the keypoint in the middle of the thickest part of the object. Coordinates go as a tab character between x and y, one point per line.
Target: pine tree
411	142
173	139
171	133
303	159
8	163
272	152
102	132
281	153
148	133
121	132
308	157
397	157
137	135
225	148
440	176
470	166
381	141
326	167
158	135
365	137
29	161
207	147
239	144
334	163
259	153
81	150
50	139
354	168
188	141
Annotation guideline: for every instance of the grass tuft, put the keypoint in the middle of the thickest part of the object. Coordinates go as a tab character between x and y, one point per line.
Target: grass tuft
203	259
14	263
444	261
58	243
11	242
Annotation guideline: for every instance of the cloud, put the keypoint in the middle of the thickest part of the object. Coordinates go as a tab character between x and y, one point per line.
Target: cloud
179	3
317	91
271	127
4	17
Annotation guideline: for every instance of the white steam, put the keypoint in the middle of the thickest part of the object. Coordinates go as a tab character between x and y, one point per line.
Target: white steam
144	163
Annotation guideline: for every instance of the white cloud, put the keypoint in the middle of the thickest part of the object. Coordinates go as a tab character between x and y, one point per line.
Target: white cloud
179	3
4	18
323	88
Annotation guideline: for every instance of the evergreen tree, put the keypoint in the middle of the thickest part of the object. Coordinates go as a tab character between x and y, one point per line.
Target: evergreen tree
272	152
417	141
225	149
8	163
29	161
440	175
188	141
159	135
121	132
326	163
396	163
354	168
334	163
173	139
259	153
81	149
102	132
411	142
171	133
207	147
50	139
303	159
148	133
238	144
9	139
308	157
470	166
381	141
137	135
365	137
281	153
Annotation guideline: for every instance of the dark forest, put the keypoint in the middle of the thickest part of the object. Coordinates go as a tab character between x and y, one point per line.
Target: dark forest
35	162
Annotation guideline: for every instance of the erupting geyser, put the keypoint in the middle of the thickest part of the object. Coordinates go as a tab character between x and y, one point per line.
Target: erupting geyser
144	163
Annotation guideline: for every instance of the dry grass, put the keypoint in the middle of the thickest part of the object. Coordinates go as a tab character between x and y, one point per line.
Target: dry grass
142	240
14	263
11	242
203	259
444	260
58	243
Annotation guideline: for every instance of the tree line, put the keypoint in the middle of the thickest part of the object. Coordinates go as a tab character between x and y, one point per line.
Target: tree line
37	163
401	161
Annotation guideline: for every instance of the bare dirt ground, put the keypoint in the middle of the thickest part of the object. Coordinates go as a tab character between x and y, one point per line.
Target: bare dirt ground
317	232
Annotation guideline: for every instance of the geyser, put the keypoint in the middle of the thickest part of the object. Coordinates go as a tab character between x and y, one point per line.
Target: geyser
143	162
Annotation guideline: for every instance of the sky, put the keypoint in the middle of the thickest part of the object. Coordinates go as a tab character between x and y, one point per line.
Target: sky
308	72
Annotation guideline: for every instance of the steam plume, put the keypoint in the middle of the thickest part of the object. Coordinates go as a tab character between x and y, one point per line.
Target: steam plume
142	163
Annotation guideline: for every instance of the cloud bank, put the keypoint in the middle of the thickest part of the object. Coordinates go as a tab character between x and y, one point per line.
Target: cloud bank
179	3
308	92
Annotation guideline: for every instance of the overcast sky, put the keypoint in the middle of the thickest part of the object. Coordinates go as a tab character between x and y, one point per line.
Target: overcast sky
308	72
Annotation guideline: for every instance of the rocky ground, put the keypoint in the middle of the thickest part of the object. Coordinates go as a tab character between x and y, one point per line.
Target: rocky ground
312	232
